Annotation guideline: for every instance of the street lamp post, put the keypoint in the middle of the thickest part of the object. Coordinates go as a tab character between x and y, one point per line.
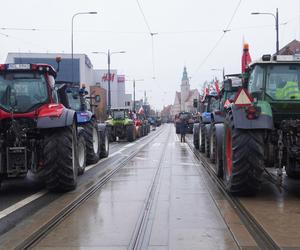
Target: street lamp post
72	37
134	92
276	17
108	54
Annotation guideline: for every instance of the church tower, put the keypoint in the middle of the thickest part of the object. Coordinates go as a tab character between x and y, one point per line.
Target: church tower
185	89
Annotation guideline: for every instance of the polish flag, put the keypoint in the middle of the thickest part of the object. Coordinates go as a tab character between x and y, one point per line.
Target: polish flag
246	58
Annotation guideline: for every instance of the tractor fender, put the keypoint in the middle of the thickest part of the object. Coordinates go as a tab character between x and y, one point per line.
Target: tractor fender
84	116
240	120
66	118
217	118
206	117
220	137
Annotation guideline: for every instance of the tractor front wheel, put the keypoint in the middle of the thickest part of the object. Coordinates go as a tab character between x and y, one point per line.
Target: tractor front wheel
92	142
81	149
202	138
104	144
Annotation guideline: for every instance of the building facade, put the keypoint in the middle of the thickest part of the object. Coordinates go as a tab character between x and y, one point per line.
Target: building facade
185	98
117	86
82	66
83	72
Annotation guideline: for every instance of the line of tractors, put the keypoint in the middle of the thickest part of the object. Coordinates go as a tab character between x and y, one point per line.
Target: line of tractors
253	124
49	128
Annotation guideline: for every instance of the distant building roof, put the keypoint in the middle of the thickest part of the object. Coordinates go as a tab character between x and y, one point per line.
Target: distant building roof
291	48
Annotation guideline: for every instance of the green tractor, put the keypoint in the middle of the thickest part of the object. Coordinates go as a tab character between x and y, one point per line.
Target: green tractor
262	127
120	125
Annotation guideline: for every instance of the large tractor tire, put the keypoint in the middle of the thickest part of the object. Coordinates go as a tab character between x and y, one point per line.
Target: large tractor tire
202	137
196	136
60	168
243	158
292	168
81	152
130	133
216	148
92	142
104	145
207	140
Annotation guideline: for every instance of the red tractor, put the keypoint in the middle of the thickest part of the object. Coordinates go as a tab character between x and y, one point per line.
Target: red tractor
37	133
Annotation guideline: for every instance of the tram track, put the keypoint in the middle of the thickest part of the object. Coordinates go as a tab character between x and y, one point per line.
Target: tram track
141	234
39	233
262	238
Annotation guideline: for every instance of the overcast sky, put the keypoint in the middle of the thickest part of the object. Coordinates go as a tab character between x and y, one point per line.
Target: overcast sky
187	31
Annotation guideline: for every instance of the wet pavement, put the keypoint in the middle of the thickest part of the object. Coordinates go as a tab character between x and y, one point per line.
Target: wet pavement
159	197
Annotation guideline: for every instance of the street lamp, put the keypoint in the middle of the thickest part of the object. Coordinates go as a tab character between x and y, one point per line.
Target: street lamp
108	72
276	25
134	92
76	14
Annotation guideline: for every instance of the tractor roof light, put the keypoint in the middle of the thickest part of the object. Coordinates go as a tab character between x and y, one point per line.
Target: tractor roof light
266	58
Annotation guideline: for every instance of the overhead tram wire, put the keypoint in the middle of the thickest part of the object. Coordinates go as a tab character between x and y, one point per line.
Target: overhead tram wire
151	34
220	39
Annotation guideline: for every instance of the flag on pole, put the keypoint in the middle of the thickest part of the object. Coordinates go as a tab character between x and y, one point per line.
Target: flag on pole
246	58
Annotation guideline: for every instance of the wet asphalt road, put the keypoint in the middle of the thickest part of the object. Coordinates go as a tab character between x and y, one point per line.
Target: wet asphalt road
163	198
20	198
182	214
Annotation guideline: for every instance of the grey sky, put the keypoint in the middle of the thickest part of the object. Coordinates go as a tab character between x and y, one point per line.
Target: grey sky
187	31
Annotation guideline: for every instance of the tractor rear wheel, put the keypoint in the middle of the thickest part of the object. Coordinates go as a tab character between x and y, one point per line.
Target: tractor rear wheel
60	159
130	133
202	138
92	142
292	168
81	149
243	158
104	144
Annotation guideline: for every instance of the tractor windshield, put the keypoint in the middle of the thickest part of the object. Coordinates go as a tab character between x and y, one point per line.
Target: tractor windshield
22	92
283	82
118	114
74	99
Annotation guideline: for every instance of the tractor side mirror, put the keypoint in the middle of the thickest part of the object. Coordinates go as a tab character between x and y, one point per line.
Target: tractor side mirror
228	85
58	60
195	103
97	98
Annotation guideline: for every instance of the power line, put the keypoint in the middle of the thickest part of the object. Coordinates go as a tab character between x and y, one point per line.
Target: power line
151	34
220	39
145	19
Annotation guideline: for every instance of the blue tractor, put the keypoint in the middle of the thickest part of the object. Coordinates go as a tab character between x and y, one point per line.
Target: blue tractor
93	141
201	129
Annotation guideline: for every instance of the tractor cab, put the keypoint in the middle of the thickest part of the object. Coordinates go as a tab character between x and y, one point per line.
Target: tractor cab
25	88
119	114
276	81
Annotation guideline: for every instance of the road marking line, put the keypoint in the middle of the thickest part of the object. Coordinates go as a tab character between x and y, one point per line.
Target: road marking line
21	203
